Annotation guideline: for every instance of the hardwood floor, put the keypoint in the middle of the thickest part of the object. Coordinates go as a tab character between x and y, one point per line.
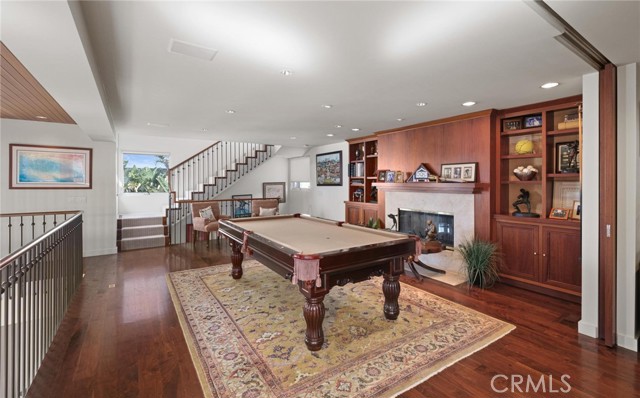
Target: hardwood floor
121	338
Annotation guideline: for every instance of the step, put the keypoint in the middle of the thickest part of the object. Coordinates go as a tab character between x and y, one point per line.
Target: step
125	222
141	231
142	242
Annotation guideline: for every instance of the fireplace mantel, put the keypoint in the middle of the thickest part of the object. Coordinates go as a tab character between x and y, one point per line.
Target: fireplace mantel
433	187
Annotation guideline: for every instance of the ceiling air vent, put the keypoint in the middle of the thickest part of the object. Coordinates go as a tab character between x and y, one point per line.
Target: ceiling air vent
191	50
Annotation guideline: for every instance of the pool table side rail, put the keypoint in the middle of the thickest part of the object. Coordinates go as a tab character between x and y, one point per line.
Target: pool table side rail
281	258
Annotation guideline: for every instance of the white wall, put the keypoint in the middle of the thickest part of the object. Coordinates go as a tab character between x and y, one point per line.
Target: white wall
628	217
178	150
275	169
328	202
588	324
98	203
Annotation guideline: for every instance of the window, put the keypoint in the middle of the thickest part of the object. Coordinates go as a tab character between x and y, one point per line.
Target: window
145	173
300	185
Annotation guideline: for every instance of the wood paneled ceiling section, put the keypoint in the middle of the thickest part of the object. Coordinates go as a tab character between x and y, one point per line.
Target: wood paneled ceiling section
23	97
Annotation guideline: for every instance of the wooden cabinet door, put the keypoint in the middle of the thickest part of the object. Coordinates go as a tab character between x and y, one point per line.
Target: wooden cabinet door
561	262
352	215
369	213
519	245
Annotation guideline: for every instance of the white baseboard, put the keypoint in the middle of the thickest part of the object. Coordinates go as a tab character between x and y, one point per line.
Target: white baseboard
628	342
588	329
100	252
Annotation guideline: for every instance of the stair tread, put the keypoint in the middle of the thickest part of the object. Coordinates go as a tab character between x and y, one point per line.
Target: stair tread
144	226
145	237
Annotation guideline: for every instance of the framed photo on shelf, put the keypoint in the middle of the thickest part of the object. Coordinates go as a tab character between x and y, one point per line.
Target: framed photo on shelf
49	167
329	168
382	175
566	157
559	213
274	190
511	124
532	121
576	211
461	172
391	176
399	176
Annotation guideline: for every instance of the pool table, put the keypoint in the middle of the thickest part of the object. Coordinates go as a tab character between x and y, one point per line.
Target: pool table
317	254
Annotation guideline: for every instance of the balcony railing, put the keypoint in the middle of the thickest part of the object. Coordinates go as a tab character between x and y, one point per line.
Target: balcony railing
37	283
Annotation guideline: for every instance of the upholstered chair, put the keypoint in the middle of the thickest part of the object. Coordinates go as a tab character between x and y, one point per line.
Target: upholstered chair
264	204
201	224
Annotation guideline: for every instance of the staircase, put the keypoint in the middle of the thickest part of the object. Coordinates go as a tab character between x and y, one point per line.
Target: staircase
142	233
206	175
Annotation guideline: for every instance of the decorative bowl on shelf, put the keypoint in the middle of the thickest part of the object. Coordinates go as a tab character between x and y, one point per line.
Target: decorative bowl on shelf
525	173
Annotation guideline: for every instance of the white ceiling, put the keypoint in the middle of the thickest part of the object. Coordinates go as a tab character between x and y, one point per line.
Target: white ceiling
372	61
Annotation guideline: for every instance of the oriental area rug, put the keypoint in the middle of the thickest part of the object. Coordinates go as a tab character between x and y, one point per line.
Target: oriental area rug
246	337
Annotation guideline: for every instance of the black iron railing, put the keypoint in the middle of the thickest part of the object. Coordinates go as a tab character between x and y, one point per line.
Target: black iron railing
37	283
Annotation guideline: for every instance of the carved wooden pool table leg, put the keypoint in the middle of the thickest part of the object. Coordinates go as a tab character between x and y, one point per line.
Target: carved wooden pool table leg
391	290
314	316
236	259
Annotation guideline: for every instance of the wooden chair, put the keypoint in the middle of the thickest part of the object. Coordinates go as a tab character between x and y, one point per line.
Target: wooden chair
265	204
202	225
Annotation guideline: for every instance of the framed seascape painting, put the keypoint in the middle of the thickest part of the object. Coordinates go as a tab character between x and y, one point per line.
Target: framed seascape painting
49	167
329	168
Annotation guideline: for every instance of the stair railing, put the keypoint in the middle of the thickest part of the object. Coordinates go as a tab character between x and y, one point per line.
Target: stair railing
37	283
206	175
210	171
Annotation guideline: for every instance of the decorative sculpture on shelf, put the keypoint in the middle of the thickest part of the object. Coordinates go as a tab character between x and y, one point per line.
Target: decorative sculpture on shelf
430	231
523	199
393	218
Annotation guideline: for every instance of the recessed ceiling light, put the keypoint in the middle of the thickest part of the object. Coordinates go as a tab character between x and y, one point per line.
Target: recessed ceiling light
286	72
330	135
468	103
338	126
421	104
292	138
327	106
41	117
152	124
550	85
230	111
355	129
399	119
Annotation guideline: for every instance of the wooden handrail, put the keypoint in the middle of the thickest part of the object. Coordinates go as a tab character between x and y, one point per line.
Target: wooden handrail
187	160
39	213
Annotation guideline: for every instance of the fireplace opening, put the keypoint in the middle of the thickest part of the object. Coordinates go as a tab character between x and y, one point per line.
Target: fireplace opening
415	222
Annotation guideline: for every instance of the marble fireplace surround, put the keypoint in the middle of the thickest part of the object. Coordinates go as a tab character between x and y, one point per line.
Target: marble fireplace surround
461	205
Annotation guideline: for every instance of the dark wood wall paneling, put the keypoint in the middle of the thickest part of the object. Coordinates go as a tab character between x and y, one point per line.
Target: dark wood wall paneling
463	139
608	198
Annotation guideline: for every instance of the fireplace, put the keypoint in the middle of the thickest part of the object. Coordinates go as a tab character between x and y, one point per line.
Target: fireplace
415	222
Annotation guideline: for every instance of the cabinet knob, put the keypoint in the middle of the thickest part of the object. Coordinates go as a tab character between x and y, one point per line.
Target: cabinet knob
535	253
544	255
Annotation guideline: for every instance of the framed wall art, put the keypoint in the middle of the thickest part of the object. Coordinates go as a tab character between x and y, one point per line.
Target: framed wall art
241	205
329	168
274	190
49	167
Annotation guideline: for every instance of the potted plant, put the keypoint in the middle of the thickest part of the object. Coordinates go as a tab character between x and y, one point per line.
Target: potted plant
483	260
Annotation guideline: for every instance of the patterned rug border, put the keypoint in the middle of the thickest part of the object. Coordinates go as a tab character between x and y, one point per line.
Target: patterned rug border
208	387
186	331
